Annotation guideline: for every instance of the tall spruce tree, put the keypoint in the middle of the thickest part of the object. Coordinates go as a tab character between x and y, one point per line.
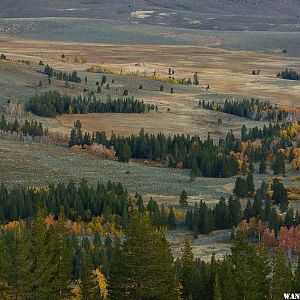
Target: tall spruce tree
282	276
62	267
278	165
186	270
45	257
183	199
88	282
16	264
144	266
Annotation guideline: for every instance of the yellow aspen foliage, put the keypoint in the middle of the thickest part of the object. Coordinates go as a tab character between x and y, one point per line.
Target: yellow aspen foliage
178	213
295	163
243	226
76	292
112	229
283	133
89	231
102	283
37	189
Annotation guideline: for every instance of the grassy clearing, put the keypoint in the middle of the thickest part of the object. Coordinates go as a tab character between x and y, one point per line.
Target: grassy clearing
38	164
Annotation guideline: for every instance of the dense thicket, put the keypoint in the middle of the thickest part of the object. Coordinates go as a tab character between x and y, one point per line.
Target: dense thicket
79	202
46	260
52	103
247	273
289	74
32	128
251	109
202	219
260	145
202	157
59	75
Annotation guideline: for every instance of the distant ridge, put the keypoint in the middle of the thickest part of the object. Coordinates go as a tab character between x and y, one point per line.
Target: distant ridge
120	9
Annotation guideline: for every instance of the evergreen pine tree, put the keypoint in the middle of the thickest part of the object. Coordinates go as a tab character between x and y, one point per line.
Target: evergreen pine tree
262	167
88	281
144	266
172	218
217	289
187	269
282	276
183	199
62	267
44	273
16	263
278	165
280	194
250	184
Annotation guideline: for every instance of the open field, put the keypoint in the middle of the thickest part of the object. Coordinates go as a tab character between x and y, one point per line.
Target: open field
189	121
204	246
37	164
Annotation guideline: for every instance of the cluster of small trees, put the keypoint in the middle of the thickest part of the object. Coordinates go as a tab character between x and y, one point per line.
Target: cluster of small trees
202	219
52	103
266	142
164	217
289	74
202	157
251	109
267	132
59	75
32	128
245	188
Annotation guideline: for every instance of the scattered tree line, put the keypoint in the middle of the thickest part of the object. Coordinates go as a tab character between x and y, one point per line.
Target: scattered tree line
32	128
245	188
202	157
289	74
59	75
52	103
251	109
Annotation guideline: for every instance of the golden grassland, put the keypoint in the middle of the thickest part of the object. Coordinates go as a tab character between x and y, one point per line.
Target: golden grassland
225	71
